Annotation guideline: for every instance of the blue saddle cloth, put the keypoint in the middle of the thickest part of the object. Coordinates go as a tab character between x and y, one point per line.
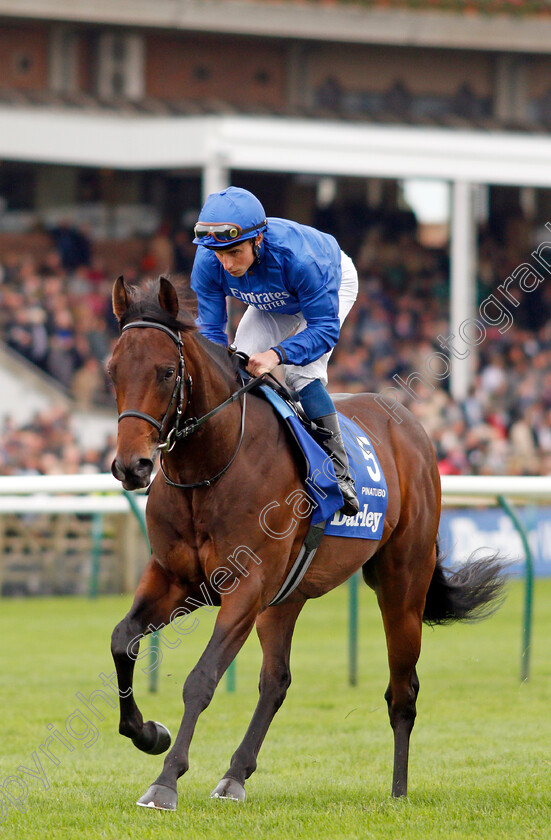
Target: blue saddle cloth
321	482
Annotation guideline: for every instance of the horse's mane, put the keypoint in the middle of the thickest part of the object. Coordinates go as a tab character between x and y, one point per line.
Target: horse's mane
144	304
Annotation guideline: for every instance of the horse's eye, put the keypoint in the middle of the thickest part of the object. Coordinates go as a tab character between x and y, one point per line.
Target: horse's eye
169	373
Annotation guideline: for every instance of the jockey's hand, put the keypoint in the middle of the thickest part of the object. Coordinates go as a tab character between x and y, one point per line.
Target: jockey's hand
263	362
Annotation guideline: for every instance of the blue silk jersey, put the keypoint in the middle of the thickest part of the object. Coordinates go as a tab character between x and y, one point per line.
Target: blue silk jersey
299	271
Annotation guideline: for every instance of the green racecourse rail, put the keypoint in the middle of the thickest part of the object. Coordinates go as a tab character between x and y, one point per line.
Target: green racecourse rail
101	493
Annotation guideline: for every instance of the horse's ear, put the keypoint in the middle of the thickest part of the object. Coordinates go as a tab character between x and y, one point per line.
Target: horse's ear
168	297
120	298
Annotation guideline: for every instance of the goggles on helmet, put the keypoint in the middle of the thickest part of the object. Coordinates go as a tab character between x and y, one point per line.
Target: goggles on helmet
223	232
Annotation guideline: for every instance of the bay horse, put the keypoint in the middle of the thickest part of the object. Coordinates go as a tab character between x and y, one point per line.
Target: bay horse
226	457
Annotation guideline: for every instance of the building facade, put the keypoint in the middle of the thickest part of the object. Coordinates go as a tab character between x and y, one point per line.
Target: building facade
438	64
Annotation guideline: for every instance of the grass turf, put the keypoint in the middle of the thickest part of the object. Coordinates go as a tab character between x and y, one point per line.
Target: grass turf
480	755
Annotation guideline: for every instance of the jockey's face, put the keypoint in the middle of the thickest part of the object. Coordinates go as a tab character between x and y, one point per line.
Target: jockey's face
238	259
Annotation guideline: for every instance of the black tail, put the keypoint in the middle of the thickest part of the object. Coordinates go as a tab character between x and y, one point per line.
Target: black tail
470	593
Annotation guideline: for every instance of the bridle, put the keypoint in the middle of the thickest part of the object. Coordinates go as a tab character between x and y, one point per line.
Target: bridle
183	379
181	396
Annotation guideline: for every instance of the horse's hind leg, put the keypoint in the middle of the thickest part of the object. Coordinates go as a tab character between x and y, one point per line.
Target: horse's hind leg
275	630
402	713
401	597
154	601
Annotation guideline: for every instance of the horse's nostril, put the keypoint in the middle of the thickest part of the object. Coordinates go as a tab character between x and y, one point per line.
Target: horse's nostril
142	466
134	475
117	470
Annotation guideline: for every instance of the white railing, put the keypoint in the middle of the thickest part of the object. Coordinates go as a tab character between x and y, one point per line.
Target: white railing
522	487
82	483
64	494
528	486
79	493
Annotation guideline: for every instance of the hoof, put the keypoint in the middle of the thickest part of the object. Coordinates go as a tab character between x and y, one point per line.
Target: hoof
229	789
159	796
162	743
161	735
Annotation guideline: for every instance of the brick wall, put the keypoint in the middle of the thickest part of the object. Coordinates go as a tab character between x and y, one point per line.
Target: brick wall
440	72
539	75
24	57
234	70
241	71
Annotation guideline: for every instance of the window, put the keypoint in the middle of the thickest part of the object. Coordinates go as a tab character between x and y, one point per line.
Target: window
64	60
22	64
120	65
201	73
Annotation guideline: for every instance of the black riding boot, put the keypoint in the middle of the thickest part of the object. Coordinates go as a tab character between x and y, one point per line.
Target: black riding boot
334	447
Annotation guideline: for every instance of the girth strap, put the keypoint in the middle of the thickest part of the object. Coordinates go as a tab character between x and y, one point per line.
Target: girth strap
302	563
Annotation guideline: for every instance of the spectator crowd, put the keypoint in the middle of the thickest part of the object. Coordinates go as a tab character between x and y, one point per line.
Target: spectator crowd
55	311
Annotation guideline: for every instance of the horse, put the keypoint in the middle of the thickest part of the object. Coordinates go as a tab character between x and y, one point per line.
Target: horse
225	458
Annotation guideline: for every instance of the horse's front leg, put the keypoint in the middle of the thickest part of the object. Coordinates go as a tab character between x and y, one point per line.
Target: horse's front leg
155	600
275	629
233	625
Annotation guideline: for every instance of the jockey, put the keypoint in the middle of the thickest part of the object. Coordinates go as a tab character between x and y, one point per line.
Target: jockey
299	287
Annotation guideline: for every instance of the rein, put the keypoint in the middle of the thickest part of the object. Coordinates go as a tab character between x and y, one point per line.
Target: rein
181	430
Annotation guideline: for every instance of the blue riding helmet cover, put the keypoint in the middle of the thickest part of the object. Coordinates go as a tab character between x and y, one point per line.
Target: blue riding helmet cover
236	206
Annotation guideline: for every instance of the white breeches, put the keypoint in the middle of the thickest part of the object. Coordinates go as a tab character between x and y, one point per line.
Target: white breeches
259	330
